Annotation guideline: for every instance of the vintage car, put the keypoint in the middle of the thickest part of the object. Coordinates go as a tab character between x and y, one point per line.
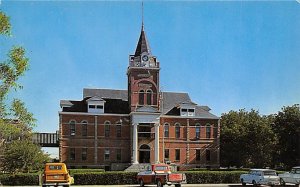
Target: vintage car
260	176
56	174
160	174
292	177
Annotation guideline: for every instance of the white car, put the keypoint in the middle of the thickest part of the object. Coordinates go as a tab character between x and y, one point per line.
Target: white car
291	177
260	176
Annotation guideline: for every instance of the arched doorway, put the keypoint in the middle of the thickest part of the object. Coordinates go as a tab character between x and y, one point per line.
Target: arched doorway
144	156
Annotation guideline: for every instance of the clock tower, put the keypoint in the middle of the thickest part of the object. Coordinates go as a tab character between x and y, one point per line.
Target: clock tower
143	76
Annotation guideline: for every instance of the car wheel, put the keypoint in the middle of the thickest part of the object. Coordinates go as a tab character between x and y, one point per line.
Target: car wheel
177	185
254	183
243	183
159	184
282	182
297	185
141	183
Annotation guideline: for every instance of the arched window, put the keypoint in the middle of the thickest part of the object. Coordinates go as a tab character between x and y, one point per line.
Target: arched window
149	97
208	131
84	128
72	127
118	129
141	97
177	130
106	129
197	131
166	130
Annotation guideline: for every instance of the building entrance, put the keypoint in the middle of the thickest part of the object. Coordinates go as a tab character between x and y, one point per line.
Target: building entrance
144	154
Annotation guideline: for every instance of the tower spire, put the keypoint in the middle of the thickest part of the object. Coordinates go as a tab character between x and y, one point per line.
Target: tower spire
142	15
143	45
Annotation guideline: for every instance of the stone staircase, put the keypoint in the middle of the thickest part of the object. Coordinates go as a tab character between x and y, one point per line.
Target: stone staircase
137	167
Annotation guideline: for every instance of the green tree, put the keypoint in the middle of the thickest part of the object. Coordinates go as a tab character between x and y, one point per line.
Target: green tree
246	139
287	128
23	156
16	122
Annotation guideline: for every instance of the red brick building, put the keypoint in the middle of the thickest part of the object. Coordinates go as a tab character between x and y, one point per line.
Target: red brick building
114	129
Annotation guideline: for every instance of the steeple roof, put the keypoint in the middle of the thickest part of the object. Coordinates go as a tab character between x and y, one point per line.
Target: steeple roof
143	45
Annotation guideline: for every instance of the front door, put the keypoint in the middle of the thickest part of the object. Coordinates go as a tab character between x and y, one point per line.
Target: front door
144	156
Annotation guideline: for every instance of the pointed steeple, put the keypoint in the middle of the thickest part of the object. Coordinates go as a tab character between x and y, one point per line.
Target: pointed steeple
143	45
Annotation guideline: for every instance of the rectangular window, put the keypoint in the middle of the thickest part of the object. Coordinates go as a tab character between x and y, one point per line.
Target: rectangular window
106	154
99	106
207	155
83	153
177	154
118	153
72	153
119	128
92	106
167	156
198	154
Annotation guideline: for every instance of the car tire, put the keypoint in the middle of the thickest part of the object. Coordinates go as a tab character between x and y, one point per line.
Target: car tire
297	185
177	185
141	182
159	184
282	182
254	183
243	183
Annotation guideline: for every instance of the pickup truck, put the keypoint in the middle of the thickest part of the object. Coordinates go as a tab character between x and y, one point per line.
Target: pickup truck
260	176
160	174
291	177
56	174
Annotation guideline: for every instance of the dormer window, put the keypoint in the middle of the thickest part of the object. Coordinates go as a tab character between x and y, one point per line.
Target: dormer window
187	112
95	105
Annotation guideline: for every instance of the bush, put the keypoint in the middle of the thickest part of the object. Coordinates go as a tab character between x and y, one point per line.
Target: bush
213	177
29	179
76	171
105	178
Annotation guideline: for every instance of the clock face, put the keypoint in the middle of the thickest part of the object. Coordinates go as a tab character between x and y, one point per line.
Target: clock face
145	57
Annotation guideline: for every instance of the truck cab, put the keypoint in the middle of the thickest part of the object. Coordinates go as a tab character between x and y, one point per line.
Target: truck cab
56	174
160	174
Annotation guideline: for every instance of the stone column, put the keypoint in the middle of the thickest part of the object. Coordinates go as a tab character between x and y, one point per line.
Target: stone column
156	149
135	144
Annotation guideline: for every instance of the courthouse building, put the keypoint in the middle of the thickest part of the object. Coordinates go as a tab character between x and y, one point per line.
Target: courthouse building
114	129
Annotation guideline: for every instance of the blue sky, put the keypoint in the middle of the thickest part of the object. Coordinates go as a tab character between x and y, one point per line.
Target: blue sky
226	54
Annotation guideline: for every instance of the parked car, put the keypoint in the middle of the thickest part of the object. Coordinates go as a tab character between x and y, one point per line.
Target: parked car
56	174
260	176
160	174
291	177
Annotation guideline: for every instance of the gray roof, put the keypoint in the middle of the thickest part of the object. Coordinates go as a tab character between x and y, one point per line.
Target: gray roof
105	93
171	99
202	113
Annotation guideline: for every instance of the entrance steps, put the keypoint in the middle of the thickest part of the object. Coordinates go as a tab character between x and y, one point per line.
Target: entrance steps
137	167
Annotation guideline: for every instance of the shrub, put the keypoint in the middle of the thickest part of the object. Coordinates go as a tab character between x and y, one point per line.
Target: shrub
105	178
213	177
76	171
28	179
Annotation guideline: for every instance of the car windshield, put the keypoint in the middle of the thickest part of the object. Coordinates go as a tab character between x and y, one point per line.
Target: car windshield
269	173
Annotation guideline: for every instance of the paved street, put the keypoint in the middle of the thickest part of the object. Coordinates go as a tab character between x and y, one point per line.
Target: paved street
184	185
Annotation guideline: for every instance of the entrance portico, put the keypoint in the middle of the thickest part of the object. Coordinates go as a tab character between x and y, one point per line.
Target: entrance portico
145	129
